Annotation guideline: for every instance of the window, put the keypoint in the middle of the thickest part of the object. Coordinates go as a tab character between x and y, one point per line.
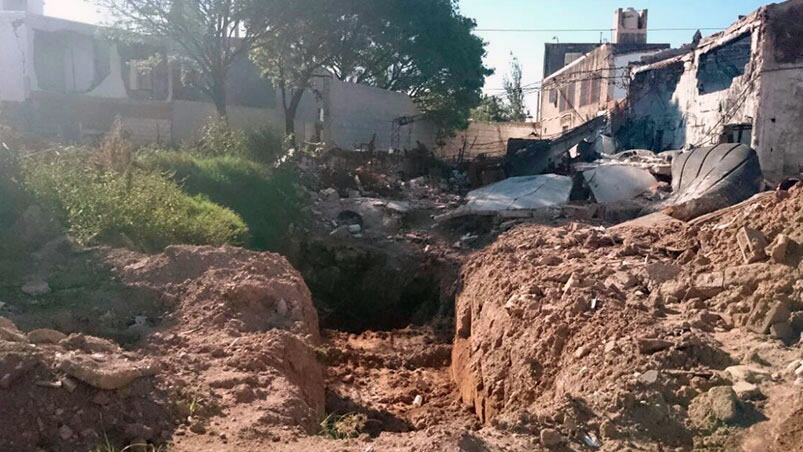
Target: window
585	92
567	97
553	97
596	87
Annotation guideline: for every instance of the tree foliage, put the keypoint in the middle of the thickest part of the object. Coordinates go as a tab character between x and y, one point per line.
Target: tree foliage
491	109
299	39
211	34
424	48
514	93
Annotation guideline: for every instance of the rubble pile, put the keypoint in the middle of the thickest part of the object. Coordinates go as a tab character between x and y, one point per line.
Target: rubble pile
614	334
67	392
553	332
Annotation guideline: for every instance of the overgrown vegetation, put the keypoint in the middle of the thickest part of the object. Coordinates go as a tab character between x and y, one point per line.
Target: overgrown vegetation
140	209
263	196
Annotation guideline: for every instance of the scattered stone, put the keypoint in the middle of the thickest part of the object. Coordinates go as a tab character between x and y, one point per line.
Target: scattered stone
111	373
330	194
355	228
341	233
244	394
649	377
648	346
793	366
12	335
551	437
659	272
784	332
574	281
622	279
45	336
779	248
752	244
749	374
90	344
65	432
717	406
36	288
766	313
746	391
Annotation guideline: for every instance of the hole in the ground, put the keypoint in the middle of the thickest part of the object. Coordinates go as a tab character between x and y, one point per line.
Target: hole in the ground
358	286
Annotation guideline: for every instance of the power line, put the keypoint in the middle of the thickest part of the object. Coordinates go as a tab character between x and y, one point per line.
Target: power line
571	30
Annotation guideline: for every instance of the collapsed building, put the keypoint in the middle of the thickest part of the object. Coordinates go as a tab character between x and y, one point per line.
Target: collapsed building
743	85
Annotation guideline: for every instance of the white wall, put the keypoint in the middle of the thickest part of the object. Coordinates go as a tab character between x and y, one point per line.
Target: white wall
13	57
357	112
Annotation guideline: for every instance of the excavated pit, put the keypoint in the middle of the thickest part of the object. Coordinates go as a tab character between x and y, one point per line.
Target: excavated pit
360	286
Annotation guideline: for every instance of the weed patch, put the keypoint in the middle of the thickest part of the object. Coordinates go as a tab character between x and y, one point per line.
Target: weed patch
264	197
139	209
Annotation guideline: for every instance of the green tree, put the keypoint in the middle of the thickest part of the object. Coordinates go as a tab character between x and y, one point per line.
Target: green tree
491	109
299	39
211	34
424	48
514	93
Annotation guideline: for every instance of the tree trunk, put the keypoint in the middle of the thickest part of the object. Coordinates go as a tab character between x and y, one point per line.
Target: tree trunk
218	90
290	112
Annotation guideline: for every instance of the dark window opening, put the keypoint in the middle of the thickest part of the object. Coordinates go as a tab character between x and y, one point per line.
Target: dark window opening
721	65
553	97
567	97
737	133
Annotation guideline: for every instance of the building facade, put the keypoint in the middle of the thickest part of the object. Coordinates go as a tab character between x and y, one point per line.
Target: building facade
590	83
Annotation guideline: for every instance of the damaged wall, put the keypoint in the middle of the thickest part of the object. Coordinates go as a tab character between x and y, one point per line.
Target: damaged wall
488	138
778	128
742	85
82	81
355	113
580	91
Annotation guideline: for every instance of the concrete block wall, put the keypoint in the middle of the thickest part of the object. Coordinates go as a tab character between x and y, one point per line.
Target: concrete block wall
487	138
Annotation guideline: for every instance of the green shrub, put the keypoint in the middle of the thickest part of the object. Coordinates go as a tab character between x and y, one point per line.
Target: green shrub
218	139
141	209
263	196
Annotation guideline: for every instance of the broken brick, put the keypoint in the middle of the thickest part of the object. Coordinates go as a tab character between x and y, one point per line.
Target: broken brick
752	244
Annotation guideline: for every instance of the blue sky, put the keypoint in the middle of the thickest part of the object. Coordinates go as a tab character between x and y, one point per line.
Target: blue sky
541	14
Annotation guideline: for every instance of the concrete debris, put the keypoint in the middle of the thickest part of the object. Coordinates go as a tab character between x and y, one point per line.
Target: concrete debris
551	438
615	183
752	244
719	405
108	373
46	336
524	193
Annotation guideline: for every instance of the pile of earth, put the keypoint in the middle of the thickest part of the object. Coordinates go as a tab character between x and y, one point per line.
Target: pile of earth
612	336
230	361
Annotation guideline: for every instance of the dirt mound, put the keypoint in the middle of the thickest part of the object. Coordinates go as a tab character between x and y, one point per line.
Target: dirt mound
71	393
241	335
556	328
227	355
